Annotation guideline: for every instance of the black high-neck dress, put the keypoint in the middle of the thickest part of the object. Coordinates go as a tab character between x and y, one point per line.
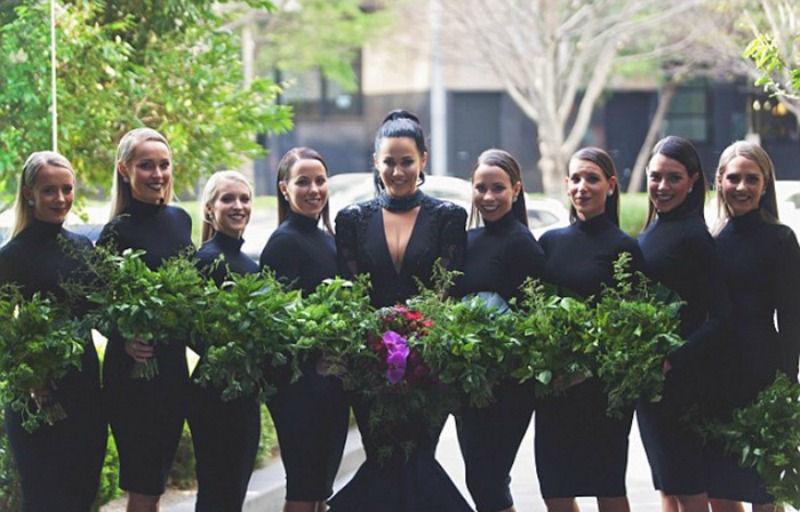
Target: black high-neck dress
59	465
311	415
580	451
225	434
761	264
147	416
416	483
500	257
680	253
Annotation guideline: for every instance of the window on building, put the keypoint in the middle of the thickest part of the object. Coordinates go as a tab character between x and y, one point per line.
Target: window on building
312	95
689	113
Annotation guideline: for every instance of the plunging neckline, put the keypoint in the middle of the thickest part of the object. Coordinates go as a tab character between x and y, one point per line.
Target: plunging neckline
402	259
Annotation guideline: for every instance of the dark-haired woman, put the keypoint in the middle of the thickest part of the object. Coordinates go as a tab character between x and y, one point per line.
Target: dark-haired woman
397	238
680	254
59	465
760	259
225	434
310	415
146	416
580	450
500	256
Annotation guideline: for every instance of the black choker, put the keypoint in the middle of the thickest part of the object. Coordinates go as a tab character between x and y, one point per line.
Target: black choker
400	204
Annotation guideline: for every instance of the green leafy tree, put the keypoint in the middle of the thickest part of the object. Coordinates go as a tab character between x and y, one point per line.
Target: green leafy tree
168	65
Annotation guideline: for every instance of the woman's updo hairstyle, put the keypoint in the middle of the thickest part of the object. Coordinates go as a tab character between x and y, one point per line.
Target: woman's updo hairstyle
396	124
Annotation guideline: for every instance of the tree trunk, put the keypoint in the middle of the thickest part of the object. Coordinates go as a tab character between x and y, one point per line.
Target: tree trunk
664	101
553	167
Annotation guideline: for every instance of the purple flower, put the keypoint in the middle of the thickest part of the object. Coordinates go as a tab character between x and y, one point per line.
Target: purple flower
397	354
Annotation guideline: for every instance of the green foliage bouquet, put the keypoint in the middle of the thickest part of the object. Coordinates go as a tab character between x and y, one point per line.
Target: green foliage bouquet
246	329
154	306
40	342
622	338
555	339
766	435
333	322
635	327
470	345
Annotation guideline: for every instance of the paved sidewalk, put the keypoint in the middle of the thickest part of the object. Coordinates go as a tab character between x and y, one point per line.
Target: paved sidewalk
266	486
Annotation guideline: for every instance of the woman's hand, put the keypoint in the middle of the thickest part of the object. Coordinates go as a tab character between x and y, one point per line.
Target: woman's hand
139	350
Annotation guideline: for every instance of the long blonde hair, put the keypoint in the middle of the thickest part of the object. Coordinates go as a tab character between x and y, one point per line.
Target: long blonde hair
756	154
23	212
121	189
210	193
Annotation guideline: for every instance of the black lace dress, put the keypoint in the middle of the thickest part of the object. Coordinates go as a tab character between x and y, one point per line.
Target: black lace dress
59	465
413	482
147	416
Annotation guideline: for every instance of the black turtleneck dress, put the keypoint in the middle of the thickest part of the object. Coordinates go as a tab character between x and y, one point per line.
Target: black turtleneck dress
147	416
580	451
311	415
59	465
761	264
413	481
680	253
500	257
225	434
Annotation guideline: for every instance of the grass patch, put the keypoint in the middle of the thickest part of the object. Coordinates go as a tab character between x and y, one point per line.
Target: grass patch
633	212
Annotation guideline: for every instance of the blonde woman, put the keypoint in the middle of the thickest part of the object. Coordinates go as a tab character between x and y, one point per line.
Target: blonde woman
760	259
146	416
59	465
225	434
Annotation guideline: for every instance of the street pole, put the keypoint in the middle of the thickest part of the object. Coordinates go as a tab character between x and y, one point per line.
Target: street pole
438	94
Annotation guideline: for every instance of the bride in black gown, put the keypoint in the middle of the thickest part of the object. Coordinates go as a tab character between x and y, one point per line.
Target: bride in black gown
396	238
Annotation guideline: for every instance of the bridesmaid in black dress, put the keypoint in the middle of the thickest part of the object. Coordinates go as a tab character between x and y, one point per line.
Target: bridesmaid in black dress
395	238
311	415
146	416
580	451
761	262
500	256
225	434
680	254
59	465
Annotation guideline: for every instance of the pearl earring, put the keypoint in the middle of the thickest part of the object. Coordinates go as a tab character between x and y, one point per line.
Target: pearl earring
610	193
30	202
690	190
125	180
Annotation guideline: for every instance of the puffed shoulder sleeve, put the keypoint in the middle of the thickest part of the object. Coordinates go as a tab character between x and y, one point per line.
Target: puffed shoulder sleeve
787	274
347	221
452	235
281	256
